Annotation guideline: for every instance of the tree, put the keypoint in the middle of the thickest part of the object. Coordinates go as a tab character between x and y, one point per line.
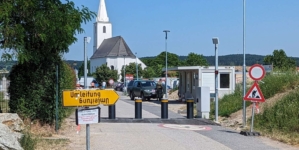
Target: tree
149	72
37	33
280	60
195	60
81	70
131	69
172	59
103	73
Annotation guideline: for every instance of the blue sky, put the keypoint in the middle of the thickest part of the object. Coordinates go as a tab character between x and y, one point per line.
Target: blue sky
270	24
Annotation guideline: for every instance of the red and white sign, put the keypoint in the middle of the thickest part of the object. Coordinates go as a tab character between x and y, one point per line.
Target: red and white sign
111	81
254	94
257	72
88	116
129	77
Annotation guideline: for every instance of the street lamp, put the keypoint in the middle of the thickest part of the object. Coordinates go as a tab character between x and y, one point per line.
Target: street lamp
166	31
215	42
86	40
136	66
244	69
125	73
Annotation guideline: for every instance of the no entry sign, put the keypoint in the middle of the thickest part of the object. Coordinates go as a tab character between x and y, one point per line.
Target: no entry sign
257	72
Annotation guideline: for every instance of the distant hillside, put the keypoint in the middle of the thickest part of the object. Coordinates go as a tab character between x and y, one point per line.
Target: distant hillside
235	59
225	60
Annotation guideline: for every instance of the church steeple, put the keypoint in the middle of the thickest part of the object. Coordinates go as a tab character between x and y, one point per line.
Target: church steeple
102	27
102	12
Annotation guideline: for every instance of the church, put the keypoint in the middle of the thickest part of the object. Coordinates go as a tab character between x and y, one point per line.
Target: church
112	51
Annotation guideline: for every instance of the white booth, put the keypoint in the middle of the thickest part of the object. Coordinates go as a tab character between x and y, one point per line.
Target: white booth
198	82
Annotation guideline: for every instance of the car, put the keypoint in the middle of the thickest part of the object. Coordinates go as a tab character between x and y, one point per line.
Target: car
146	89
119	87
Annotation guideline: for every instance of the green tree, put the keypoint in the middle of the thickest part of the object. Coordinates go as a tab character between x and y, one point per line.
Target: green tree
172	59
149	72
81	70
280	60
131	69
195	60
103	73
37	33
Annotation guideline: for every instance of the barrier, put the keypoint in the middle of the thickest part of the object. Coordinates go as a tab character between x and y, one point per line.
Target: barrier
138	108
190	108
164	108
111	111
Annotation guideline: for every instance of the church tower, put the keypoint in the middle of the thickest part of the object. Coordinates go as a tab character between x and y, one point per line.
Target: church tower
102	26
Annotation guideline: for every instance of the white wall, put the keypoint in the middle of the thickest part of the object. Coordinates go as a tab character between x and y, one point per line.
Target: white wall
99	36
94	63
117	62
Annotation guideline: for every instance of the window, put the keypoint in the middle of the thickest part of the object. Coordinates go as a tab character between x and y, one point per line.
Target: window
104	29
224	80
146	83
112	67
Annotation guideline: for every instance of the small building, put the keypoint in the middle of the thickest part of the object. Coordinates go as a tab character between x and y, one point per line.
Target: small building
191	77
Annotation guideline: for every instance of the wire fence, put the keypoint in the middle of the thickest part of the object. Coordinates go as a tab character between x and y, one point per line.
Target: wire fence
4	96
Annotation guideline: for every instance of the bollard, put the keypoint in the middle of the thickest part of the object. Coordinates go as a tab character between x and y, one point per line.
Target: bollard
111	110
138	108
190	108
164	108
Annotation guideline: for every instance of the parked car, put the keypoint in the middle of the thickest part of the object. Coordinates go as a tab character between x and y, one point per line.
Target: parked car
130	86
119	87
146	89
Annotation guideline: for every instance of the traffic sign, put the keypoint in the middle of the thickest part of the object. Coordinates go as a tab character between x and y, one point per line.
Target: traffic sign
255	94
111	81
257	72
89	97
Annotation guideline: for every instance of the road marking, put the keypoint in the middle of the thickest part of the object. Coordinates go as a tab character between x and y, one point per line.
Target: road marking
185	127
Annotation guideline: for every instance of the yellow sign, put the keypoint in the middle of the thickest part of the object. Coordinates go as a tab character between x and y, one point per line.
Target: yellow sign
89	97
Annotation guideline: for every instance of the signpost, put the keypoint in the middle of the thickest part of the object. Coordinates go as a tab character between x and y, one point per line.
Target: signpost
86	98
89	97
254	94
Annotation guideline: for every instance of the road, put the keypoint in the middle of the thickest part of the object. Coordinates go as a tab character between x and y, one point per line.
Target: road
151	132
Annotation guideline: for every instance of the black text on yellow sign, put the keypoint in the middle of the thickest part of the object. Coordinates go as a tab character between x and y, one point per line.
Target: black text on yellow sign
89	97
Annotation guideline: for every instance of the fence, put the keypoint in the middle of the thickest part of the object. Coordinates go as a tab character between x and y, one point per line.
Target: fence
4	97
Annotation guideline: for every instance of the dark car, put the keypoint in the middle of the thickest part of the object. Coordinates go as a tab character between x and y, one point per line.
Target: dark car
119	87
145	89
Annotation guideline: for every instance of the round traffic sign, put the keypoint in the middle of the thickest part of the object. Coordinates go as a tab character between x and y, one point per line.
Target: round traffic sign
257	72
111	81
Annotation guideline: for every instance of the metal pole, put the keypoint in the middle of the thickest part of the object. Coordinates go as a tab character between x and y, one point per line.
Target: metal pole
85	64
166	62
125	73
216	83
56	126
244	68
252	117
136	66
85	87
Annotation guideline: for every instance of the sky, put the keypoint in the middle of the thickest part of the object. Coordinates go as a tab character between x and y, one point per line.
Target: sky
269	25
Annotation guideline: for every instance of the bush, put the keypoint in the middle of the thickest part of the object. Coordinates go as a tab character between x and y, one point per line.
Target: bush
28	142
280	82
229	103
281	119
270	85
33	90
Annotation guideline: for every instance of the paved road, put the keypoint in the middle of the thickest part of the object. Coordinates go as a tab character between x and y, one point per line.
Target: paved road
153	133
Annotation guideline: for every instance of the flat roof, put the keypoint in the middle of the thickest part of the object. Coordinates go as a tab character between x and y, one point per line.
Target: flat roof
181	68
